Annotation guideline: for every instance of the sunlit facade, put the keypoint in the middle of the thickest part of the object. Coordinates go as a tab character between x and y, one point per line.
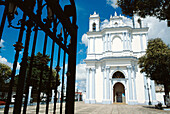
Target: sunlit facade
113	75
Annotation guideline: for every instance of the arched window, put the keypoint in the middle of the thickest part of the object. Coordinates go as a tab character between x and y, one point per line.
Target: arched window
94	26
116	23
118	74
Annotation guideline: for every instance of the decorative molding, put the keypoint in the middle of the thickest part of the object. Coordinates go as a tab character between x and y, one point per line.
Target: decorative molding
119	71
129	67
107	67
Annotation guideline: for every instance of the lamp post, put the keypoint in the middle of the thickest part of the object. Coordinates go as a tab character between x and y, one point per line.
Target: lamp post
149	95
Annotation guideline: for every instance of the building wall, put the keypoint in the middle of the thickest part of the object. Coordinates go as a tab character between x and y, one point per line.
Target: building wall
140	87
117	48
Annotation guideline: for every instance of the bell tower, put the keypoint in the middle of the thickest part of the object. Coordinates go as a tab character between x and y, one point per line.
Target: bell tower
94	22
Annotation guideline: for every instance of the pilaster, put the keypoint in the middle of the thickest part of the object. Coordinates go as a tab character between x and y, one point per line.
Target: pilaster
154	101
141	42
126	41
130	41
92	100
145	88
103	43
87	85
130	101
103	70
108	99
123	34
134	85
106	42
93	44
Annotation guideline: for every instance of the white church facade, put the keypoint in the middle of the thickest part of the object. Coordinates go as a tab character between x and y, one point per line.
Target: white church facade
113	74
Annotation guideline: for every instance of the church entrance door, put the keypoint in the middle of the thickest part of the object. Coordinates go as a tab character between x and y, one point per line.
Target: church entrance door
118	93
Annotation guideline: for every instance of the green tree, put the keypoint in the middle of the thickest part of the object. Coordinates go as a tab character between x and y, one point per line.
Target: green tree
157	8
38	62
156	63
5	72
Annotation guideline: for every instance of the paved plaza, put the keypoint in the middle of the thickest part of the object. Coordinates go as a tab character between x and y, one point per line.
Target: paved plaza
82	108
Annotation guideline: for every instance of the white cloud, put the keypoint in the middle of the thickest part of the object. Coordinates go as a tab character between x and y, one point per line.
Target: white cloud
80	71
81	77
4	61
1	43
104	24
84	39
81	86
158	28
113	3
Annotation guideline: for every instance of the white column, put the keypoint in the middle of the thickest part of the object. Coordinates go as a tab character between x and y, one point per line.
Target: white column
106	36
103	70
123	34
29	95
103	44
130	83
110	88
52	96
87	85
134	83
109	42
146	39
127	47
145	87
93	44
153	91
93	86
141	42
107	83
130	41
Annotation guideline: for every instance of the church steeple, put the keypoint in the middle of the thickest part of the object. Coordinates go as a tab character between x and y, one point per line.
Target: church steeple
115	13
94	22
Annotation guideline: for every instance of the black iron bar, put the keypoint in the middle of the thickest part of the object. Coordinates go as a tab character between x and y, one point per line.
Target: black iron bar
49	78
51	65
14	67
3	22
65	41
30	70
65	21
22	72
70	93
62	82
41	75
39	12
55	91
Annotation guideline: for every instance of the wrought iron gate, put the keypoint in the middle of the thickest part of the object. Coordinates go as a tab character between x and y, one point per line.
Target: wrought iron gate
60	27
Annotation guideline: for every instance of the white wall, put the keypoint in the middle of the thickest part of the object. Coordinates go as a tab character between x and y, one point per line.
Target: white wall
140	91
117	44
159	97
136	45
98	84
98	45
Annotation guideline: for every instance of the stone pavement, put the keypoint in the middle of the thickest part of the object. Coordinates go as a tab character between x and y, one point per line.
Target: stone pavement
82	108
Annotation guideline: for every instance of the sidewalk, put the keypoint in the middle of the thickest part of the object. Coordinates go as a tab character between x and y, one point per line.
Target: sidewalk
82	108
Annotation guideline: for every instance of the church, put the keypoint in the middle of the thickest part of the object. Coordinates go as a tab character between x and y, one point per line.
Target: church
113	74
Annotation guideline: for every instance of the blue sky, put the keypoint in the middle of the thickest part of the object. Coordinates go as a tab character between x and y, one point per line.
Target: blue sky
104	8
84	9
